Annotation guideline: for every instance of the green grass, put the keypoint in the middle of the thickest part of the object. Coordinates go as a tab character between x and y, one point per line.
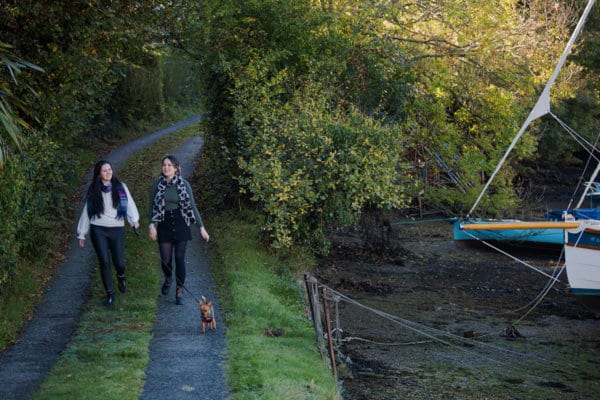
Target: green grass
261	295
108	354
18	300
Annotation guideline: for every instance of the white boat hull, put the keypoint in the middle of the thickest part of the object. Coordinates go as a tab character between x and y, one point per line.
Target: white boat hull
582	259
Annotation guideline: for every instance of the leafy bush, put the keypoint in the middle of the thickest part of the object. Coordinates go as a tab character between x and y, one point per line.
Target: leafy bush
311	164
44	207
11	191
297	101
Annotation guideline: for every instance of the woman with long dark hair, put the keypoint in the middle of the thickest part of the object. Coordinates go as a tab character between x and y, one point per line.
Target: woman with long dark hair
172	212
108	204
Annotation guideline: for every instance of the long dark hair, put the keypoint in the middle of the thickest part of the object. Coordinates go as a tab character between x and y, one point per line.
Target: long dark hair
95	205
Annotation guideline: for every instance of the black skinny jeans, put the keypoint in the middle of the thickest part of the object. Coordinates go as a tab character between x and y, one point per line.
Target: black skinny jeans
109	243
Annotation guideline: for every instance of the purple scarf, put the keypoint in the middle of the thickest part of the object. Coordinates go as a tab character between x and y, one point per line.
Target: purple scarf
122	208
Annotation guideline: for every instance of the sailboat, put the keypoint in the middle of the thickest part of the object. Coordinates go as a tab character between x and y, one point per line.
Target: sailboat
578	232
508	230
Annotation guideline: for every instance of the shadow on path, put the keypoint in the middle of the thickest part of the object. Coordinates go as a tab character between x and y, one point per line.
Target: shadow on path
24	365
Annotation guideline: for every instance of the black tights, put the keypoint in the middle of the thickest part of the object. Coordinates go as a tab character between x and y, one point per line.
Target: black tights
166	255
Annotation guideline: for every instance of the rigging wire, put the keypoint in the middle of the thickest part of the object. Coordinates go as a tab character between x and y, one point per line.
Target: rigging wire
591	149
585	144
513	257
542	105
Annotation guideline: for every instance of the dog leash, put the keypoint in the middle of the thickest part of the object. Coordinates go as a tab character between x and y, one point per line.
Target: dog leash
188	290
178	283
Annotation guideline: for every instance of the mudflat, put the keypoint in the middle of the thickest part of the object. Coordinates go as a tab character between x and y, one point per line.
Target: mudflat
431	319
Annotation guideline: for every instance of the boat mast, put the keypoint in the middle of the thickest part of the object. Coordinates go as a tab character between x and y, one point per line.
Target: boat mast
542	107
588	186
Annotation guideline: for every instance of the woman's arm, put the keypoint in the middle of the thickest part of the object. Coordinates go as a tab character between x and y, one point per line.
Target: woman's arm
188	187
203	231
133	216
83	226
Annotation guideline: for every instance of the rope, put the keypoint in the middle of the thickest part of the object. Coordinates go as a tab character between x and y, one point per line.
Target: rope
536	300
338	330
350	338
532	305
432	332
180	284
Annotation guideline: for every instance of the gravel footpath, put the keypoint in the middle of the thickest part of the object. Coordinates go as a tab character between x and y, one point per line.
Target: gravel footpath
24	365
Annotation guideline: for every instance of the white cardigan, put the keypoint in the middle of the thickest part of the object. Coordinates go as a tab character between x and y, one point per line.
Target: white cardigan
109	217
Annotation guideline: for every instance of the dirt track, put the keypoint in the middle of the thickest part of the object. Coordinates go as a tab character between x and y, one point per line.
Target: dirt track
457	325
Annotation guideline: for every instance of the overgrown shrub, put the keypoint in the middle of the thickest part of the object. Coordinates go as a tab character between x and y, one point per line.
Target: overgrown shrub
44	208
33	202
11	192
311	163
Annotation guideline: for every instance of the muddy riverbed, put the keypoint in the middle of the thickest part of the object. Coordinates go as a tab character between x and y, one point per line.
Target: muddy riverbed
429	319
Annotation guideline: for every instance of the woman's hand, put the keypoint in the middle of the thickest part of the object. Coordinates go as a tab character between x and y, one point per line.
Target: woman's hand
204	234
81	242
152	232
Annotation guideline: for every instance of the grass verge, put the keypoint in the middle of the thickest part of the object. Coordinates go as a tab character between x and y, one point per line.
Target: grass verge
271	348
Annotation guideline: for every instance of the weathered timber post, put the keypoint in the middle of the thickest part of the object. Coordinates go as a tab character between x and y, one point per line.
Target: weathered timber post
314	311
328	327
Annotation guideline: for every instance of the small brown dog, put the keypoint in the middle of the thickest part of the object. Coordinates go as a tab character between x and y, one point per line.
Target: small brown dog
208	317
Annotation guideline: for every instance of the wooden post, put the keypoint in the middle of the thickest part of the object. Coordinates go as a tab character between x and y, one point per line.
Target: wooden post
312	307
328	327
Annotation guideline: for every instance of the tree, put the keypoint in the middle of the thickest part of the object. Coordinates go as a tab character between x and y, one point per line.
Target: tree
479	66
299	106
86	49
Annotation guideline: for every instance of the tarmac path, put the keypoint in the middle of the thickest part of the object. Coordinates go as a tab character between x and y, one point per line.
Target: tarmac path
172	369
184	362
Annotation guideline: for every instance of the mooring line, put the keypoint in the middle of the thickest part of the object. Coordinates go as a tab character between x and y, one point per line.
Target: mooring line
432	332
514	258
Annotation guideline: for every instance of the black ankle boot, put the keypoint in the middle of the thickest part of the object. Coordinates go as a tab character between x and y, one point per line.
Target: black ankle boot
122	283
110	299
166	285
179	296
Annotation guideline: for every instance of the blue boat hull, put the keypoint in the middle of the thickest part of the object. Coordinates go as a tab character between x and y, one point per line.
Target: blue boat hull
548	235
